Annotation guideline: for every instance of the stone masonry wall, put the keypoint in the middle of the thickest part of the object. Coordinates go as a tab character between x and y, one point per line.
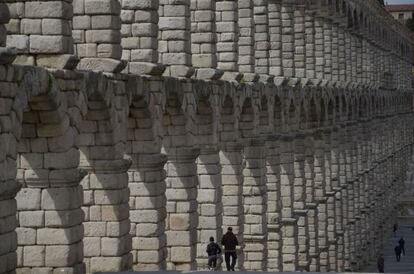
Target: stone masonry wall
131	131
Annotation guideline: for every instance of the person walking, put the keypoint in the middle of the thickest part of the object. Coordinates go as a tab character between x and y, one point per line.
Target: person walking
380	264
397	251
229	241
213	250
394	230
401	242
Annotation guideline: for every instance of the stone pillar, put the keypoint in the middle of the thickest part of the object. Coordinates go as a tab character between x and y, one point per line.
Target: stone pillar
299	195
288	39
209	198
310	45
107	242
289	223
140	37
341	54
50	232
41	33
311	204
8	185
246	58
348	56
319	48
275	30
255	206
335	52
261	39
330	194
227	17
327	45
204	39
181	226
274	205
148	210
97	35
300	41
341	195
231	161
320	197
175	38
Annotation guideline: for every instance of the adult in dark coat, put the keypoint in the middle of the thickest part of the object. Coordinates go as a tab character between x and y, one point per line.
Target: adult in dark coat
401	242
397	251
230	242
380	264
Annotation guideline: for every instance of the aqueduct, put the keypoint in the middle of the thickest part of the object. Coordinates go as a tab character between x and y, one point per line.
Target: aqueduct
132	130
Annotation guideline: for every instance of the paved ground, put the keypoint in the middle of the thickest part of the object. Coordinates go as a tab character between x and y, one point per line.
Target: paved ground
407	262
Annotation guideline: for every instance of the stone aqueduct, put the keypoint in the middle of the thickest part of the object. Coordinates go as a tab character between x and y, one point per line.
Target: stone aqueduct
132	130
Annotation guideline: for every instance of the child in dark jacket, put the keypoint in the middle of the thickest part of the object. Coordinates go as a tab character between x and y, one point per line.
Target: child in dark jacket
213	250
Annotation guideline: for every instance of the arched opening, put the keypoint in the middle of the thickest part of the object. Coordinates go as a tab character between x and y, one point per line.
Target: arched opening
147	188
264	116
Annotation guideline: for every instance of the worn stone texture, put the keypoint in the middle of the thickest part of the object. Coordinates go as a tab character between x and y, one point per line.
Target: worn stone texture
138	129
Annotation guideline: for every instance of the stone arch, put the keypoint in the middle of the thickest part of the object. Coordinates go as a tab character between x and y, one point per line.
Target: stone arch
228	120
264	119
330	118
246	122
48	173
323	112
292	120
278	114
313	113
303	121
337	110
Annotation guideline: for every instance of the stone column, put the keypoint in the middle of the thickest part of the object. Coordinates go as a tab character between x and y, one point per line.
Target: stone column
209	198
148	210
289	223
227	17
335	52
8	185
41	33
311	204
140	37
97	35
348	56
299	195
327	44
320	197
319	48
181	226
341	197
275	30
232	179
336	244
50	232
175	38
288	38
107	242
300	41
330	194
246	60
255	206
274	205
261	39
310	44
204	39
341	54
